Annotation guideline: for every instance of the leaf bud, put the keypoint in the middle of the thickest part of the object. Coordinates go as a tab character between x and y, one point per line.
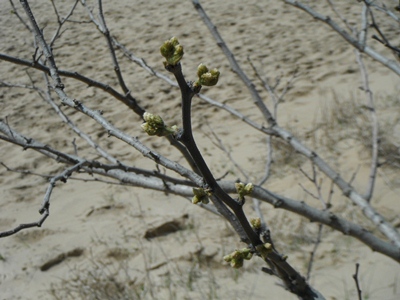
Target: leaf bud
200	195
154	125
172	51
255	223
201	69
209	78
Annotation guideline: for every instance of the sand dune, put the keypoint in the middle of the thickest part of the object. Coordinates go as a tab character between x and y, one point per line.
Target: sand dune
100	228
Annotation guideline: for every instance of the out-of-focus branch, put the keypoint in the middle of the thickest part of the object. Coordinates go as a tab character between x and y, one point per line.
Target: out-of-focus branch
71	74
234	65
391	64
45	208
374	127
355	277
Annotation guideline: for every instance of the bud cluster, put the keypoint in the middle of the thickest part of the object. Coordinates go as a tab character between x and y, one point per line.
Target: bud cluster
243	190
255	223
206	77
237	257
172	51
264	249
200	195
154	125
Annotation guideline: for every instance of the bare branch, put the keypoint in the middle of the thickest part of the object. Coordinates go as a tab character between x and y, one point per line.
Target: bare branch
355	277
391	64
314	250
234	65
45	208
374	125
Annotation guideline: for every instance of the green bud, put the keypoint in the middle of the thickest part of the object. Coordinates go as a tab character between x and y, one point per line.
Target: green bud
268	246
239	187
167	49
154	125
255	223
153	119
237	263
209	78
227	258
243	190
248	189
174	41
172	51
201	69
246	253
236	254
200	195
264	249
248	256
236	257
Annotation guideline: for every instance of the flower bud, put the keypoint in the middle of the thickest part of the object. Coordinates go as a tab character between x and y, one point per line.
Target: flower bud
227	258
201	69
154	125
237	263
243	190
172	51
209	78
248	189
200	195
255	223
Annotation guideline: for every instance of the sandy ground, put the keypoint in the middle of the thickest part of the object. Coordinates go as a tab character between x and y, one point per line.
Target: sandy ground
96	231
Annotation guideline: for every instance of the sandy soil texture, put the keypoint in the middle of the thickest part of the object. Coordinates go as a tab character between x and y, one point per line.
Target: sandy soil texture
126	242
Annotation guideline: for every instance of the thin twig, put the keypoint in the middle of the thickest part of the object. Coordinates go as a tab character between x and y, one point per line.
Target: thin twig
314	250
374	128
15	11
45	208
61	21
234	65
355	277
391	64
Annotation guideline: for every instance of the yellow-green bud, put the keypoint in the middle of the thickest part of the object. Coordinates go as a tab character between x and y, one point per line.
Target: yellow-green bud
201	69
154	119
239	187
237	263
154	125
174	41
172	51
209	78
236	257
264	249
256	223
200	195
268	246
227	258
243	190
246	253
248	189
167	49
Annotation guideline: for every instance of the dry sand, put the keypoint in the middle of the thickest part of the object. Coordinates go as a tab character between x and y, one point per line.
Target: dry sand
108	222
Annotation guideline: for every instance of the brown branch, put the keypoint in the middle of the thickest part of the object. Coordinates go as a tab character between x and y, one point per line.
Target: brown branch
355	277
291	278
